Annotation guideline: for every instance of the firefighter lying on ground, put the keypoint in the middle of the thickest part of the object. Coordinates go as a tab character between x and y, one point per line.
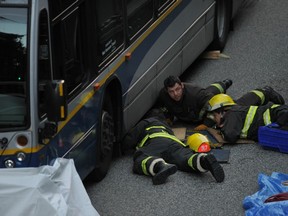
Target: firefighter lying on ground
236	121
189	103
160	153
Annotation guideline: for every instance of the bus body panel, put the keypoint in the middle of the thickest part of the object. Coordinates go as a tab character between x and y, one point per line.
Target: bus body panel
189	41
167	47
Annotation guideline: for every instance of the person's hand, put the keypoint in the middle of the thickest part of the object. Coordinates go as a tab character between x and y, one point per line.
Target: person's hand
201	127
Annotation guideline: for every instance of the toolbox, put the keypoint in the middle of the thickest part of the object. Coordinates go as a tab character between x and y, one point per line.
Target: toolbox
273	137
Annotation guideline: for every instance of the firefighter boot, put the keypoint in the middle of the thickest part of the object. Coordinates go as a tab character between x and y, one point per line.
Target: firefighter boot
227	83
273	96
209	162
160	170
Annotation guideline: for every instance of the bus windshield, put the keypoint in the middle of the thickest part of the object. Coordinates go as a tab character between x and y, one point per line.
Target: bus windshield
13	67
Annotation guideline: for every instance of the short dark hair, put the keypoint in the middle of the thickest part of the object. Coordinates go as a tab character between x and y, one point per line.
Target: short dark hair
171	81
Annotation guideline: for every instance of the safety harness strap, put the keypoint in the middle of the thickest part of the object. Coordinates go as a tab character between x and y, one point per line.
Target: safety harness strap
248	121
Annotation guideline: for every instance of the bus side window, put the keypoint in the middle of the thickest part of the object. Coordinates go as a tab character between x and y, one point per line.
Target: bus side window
68	45
44	64
140	15
110	29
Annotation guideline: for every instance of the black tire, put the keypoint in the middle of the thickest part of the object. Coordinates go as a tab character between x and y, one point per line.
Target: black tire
222	24
105	148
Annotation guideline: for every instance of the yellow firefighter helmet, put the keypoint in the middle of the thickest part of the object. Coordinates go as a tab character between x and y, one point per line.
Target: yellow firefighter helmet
220	100
198	143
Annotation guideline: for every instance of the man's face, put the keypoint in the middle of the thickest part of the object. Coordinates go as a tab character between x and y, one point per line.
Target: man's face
176	92
217	118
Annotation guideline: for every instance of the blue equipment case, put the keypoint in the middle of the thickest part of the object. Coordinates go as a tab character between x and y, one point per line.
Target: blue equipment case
274	138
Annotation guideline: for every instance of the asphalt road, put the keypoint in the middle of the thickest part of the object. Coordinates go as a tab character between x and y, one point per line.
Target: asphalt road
258	51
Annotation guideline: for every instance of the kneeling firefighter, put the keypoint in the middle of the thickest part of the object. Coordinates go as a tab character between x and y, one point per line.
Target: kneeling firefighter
159	153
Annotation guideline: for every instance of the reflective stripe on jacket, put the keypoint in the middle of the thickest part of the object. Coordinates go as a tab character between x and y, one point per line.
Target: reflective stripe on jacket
162	133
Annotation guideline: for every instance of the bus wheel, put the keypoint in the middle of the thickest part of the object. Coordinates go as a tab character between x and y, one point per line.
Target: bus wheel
222	24
105	148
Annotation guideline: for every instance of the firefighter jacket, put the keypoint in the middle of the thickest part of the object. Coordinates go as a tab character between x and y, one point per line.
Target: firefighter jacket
192	106
145	131
244	121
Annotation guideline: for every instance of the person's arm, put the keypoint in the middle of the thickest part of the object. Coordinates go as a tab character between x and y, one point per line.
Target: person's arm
232	127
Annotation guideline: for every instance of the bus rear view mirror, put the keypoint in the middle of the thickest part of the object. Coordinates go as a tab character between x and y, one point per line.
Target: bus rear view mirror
56	104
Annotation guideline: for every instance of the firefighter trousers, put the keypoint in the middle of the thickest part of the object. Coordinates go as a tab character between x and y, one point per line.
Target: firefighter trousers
170	151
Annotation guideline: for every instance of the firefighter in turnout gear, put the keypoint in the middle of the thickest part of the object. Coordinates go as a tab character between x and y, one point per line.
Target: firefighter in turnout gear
239	121
159	153
187	101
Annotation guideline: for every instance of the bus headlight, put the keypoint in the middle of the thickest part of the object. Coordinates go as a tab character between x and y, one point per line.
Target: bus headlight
9	163
21	156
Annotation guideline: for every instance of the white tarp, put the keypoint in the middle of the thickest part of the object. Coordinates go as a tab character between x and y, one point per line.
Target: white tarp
44	191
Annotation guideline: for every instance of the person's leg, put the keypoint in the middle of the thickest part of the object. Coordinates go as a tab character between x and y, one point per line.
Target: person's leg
260	97
153	166
208	162
252	98
188	161
272	95
219	87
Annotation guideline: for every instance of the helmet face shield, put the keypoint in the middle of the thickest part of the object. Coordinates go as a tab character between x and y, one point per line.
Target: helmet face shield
198	143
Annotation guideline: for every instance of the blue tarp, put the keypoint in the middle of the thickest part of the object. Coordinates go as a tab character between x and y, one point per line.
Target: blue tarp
268	186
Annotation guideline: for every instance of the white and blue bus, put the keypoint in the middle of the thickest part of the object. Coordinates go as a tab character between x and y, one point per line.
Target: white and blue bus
75	75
